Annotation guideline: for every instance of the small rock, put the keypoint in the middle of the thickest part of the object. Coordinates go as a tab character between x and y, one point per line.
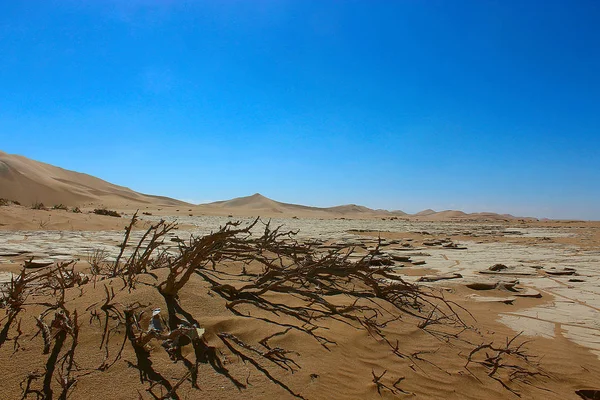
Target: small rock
566	271
498	267
10	254
452	245
435	278
486	299
507	273
398	257
481	285
39	263
528	292
380	260
507	286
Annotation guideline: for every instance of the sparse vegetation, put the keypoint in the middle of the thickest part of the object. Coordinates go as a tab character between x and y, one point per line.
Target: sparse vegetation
60	207
98	262
506	363
7	202
105	211
38	206
76	210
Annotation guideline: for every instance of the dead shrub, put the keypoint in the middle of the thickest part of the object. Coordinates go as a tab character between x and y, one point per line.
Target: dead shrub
38	206
107	212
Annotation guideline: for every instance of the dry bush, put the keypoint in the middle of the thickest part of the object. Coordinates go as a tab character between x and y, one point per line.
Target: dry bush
98	261
145	255
7	202
248	271
506	363
57	325
38	206
107	212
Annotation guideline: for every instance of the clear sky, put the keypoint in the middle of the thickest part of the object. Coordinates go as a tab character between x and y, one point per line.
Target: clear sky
475	105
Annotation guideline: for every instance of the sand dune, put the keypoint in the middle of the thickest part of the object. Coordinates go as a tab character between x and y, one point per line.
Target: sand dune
423	213
28	181
398	212
257	203
453	215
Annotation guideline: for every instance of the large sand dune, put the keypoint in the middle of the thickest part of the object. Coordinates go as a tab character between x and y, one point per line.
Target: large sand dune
28	181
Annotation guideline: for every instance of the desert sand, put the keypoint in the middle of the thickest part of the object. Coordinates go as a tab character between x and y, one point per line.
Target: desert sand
464	281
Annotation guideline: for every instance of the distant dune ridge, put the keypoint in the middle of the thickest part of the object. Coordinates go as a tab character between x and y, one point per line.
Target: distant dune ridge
28	181
258	203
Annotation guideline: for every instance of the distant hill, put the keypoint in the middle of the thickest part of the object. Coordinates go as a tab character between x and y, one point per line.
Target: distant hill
258	203
28	181
449	215
398	213
423	213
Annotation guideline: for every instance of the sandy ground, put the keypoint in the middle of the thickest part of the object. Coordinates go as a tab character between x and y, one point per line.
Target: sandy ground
558	314
536	258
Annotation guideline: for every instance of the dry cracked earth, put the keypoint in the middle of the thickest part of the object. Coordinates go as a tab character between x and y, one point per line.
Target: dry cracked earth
488	262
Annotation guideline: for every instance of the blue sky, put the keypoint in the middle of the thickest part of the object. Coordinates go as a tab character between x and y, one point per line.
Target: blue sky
475	105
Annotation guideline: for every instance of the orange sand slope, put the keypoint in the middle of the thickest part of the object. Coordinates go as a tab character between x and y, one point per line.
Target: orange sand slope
28	181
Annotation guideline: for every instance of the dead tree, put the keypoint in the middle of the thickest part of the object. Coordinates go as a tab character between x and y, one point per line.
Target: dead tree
261	273
49	291
511	358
